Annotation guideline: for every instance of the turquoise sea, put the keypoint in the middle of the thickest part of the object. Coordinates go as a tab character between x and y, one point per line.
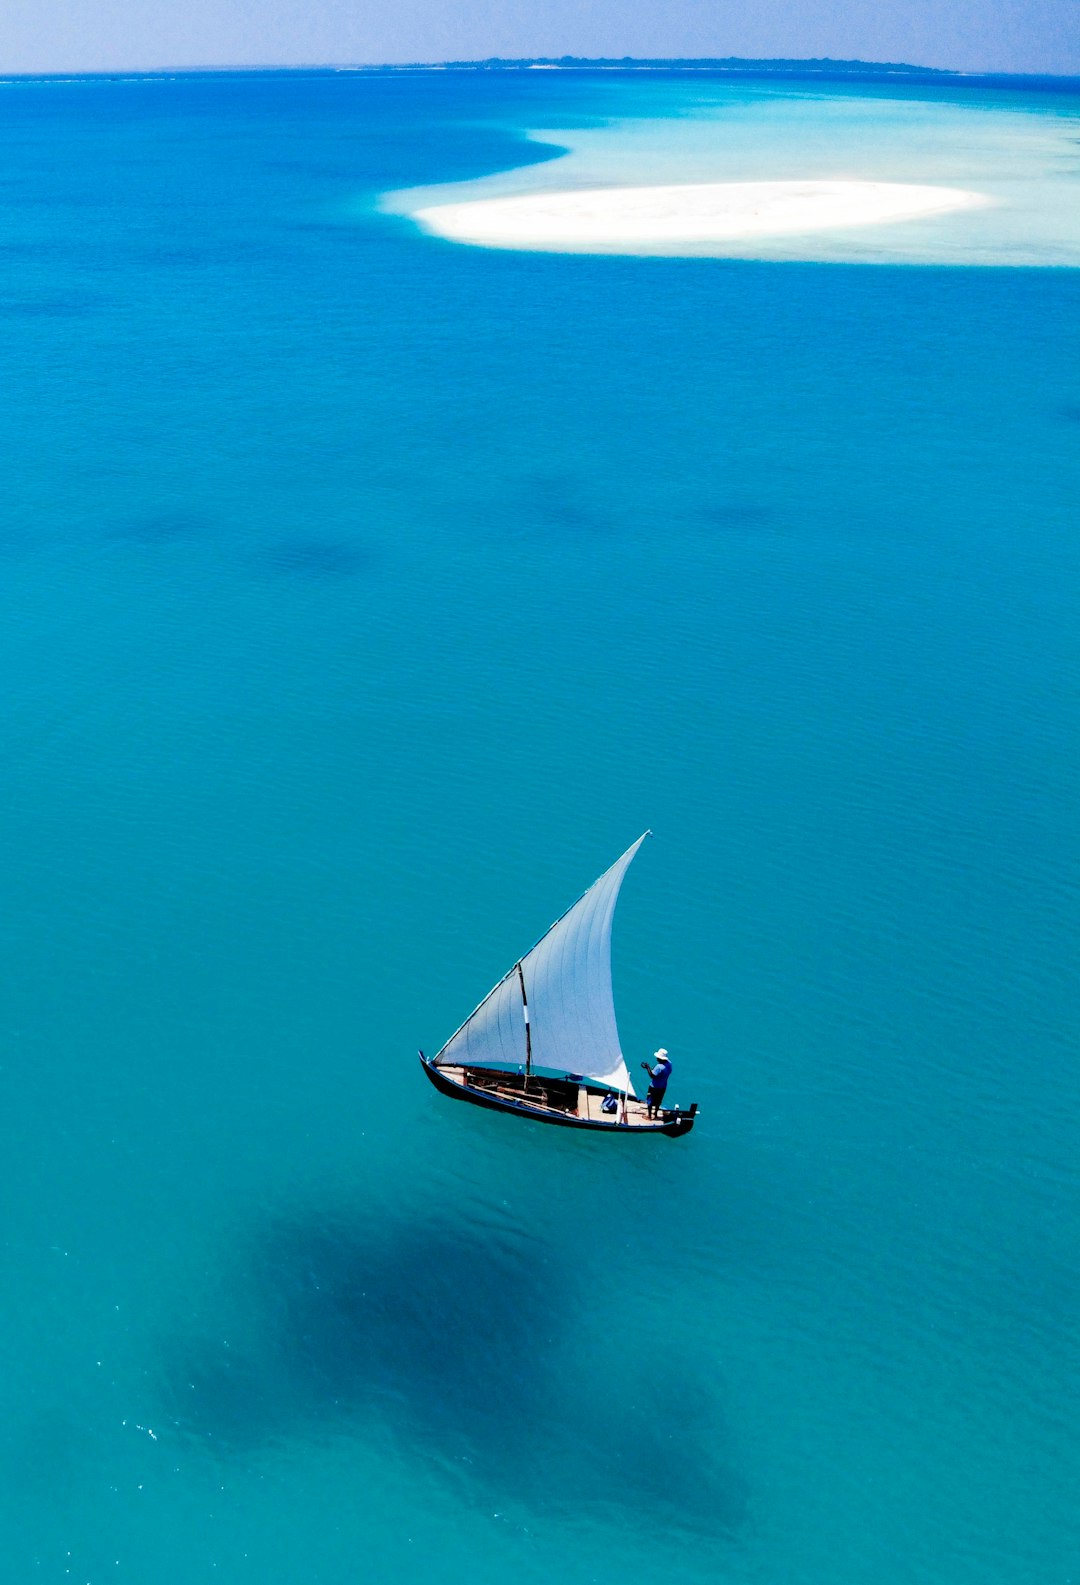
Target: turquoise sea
364	595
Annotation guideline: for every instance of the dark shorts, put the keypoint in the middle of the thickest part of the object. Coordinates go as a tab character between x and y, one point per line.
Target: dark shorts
655	1097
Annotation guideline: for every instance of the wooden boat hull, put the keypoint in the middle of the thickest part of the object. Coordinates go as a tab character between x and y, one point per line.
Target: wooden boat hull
672	1123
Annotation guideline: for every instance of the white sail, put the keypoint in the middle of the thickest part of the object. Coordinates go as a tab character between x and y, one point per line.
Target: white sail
567	985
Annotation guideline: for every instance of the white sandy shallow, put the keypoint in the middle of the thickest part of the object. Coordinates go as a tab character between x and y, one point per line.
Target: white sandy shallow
701	216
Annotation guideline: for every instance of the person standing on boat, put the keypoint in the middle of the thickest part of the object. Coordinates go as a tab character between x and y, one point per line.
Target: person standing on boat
658	1077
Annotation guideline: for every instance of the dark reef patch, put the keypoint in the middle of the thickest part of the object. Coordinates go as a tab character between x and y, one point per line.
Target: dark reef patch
737	515
426	1324
57	305
465	1348
317	558
557	503
166	527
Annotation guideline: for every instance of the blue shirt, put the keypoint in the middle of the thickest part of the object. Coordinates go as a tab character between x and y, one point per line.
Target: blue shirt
660	1074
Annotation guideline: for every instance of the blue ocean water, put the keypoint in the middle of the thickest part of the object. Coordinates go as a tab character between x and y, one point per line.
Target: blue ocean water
363	597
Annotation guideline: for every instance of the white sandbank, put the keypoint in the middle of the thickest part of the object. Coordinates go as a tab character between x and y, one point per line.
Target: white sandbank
700	217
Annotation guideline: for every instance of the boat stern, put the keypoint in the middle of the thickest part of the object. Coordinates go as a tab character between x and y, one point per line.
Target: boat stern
678	1122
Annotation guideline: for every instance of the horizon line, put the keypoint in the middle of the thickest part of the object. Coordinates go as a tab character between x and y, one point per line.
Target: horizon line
733	64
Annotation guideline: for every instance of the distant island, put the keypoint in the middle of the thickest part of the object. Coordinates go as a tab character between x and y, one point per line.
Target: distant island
727	63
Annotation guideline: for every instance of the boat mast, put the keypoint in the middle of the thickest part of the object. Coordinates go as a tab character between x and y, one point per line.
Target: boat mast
528	1032
492	1032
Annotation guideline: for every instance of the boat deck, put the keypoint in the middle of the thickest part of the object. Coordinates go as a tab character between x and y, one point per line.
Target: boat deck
553	1095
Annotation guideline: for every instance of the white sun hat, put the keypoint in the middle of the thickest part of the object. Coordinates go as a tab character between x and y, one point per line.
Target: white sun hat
660	1053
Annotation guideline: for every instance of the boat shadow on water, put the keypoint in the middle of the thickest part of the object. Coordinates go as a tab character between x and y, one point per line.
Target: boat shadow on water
467	1351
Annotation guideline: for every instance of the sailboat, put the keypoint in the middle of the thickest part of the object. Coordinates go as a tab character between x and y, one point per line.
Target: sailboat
544	1044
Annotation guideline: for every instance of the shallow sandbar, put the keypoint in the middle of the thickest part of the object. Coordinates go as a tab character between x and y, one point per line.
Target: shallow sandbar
702	217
